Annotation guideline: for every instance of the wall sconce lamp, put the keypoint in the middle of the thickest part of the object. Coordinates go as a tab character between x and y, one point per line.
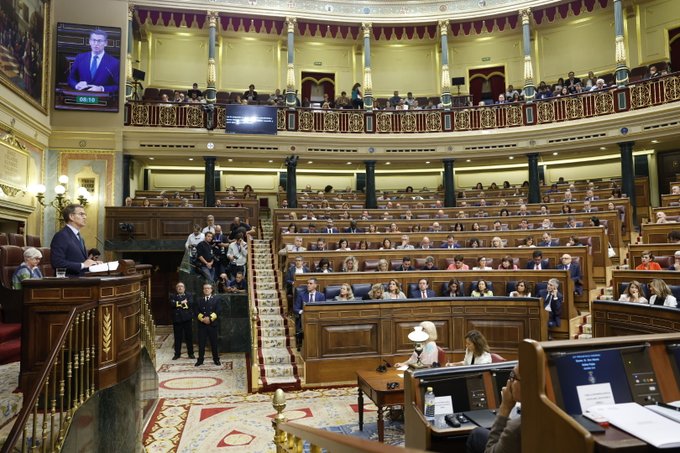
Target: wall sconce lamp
61	199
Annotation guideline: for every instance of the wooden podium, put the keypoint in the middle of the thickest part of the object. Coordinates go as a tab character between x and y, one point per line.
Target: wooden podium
110	330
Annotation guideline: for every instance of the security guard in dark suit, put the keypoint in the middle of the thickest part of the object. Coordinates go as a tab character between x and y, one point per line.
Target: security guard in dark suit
206	313
182	314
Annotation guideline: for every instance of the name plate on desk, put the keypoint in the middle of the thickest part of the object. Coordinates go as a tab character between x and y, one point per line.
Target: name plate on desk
105	267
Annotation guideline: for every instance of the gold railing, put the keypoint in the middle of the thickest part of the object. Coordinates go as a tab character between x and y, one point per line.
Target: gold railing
66	382
292	437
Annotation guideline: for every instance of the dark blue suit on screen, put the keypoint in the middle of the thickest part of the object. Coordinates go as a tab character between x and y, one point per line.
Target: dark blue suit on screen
107	74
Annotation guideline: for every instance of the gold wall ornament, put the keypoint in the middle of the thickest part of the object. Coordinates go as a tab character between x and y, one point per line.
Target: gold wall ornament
604	103
367	27
167	115
280	120
290	77
408	122
574	107
671	88
356	122
11	191
290	22
443	27
368	81
212	19
446	79
140	114
462	120
212	72
433	122
528	70
620	51
513	115
546	112
383	121
194	115
107	331
10	139
306	121
640	96
525	15
487	118
331	122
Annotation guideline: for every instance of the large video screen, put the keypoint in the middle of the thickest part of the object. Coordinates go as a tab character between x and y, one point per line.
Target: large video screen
88	68
589	368
250	119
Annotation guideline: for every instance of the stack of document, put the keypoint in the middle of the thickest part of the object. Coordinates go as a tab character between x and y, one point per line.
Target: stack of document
658	426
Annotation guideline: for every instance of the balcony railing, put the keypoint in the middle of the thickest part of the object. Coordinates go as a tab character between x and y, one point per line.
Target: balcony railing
635	96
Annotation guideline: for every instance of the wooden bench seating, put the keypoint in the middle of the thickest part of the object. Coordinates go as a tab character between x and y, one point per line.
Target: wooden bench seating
654	233
663	253
611	318
11	257
593	236
621	278
368	262
499	280
608	219
341	338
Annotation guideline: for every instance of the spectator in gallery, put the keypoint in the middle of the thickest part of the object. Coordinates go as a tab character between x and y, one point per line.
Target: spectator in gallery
95	70
343	102
250	94
357	98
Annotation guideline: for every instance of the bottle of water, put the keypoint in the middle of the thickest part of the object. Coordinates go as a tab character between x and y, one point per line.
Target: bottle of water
428	407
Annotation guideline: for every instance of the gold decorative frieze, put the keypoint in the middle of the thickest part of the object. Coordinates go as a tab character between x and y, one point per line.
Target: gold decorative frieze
604	103
356	122
672	89
331	122
514	115
306	121
433	122
462	120
546	112
487	118
383	122
408	122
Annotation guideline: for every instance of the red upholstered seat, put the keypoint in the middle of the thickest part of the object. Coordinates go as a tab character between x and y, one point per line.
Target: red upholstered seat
17	239
11	256
495	358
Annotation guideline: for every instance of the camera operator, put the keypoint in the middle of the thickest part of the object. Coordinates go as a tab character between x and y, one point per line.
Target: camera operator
220	244
237	254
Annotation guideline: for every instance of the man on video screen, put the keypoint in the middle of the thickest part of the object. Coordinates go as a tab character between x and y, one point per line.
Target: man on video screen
95	70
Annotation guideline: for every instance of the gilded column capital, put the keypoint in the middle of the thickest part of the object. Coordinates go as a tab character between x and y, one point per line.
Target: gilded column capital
290	22
212	18
131	12
620	50
525	15
367	27
443	27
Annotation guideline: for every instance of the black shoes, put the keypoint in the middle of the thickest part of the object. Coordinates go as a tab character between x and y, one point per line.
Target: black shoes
217	362
175	357
191	356
199	362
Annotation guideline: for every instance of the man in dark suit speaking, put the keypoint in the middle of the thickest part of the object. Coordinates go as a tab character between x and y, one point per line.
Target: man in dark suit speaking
68	248
95	70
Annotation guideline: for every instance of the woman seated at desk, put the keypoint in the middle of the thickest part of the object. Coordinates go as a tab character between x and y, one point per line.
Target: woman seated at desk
376	292
393	291
346	293
430	352
481	290
477	350
661	294
633	294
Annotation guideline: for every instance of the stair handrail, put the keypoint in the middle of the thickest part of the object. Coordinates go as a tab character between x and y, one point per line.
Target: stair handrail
291	437
86	314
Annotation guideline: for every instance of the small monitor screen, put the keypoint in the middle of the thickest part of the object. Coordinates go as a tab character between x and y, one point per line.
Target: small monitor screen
674	351
500	379
250	119
587	368
459	388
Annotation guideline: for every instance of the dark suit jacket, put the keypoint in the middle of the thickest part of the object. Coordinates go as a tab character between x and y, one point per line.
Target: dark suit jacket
575	275
416	294
179	313
67	252
555	303
355	230
545	264
107	75
332	230
290	274
302	298
206	308
446	246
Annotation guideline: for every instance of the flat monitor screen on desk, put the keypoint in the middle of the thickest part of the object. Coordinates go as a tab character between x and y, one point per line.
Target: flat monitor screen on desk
584	368
674	351
500	380
466	390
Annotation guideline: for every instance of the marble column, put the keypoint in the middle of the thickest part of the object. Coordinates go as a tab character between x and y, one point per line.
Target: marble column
371	201
291	99
529	88
449	184
446	76
368	81
291	186
534	183
127	160
129	85
621	65
211	91
209	194
628	175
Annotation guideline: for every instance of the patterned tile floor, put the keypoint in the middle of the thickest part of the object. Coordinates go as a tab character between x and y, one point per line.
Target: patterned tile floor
208	409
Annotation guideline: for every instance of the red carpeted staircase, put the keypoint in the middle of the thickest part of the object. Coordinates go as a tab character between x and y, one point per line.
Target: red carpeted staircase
10	343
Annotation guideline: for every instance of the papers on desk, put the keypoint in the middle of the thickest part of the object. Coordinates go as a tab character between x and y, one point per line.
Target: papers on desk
641	422
104	267
402	368
594	395
443	405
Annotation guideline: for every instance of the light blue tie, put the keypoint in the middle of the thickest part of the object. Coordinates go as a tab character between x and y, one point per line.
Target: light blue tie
93	66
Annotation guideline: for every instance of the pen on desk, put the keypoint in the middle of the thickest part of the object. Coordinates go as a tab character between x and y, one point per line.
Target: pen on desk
668	406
